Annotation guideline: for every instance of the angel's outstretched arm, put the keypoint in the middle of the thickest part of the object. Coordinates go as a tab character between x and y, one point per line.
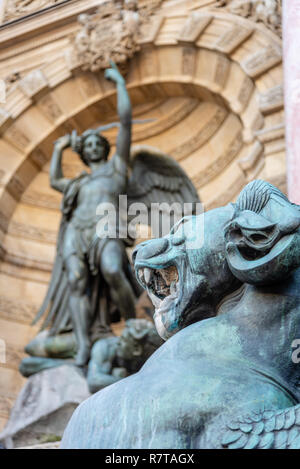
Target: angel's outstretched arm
57	180
124	111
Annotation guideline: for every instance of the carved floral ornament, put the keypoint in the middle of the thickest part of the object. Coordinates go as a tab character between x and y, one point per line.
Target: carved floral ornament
112	32
268	12
17	8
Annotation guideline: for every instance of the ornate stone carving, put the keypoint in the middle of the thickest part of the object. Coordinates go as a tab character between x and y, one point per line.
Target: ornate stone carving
18	8
111	33
268	12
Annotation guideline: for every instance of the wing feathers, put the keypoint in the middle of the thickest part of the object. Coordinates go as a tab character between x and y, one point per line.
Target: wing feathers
157	178
270	429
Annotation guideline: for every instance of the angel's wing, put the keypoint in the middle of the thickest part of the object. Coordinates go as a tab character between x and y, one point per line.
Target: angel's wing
158	178
265	430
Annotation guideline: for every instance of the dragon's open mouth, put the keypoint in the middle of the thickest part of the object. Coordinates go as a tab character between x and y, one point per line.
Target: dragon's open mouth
162	285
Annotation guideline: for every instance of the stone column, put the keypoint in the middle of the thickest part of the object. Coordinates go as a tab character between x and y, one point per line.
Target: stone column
291	63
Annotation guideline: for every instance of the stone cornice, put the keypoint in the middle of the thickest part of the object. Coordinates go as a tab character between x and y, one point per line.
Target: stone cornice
45	20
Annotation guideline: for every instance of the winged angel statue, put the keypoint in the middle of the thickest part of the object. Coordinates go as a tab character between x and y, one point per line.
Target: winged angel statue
92	275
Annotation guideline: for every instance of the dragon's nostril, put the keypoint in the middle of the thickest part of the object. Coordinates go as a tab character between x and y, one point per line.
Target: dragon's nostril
137	249
154	248
150	248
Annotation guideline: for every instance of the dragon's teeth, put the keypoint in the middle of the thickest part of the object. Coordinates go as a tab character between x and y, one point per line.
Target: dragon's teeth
147	275
173	288
141	275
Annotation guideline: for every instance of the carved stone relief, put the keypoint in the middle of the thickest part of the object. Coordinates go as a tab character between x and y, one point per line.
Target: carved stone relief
112	33
18	8
268	12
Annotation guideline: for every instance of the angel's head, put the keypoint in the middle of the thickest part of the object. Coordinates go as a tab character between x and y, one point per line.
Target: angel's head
93	147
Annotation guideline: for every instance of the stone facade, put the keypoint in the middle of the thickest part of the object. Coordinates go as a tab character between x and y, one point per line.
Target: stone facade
211	79
15	9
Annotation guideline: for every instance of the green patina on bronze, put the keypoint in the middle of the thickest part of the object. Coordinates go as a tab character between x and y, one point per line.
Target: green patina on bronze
92	282
230	310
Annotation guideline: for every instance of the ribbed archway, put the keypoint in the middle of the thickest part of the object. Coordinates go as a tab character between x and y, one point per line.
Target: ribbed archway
213	83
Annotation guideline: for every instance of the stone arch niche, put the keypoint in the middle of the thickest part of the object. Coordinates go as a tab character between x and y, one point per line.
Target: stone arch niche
212	83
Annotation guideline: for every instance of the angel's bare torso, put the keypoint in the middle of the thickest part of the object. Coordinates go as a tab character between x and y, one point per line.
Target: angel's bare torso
103	186
195	389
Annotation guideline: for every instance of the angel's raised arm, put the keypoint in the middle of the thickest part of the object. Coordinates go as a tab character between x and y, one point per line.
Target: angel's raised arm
124	111
57	180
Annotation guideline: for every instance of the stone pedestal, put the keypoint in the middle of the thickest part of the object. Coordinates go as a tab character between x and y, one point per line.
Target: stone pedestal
44	407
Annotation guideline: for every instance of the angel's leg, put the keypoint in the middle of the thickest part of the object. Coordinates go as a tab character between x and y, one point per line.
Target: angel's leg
112	268
80	306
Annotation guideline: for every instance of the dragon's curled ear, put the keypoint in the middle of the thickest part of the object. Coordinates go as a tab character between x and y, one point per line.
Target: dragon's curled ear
262	240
